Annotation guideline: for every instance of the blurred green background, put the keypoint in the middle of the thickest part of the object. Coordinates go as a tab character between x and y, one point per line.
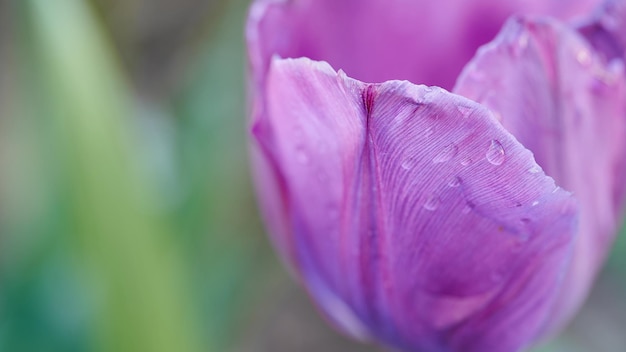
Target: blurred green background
127	216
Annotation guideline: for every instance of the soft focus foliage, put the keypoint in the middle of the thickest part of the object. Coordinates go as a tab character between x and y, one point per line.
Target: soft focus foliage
127	221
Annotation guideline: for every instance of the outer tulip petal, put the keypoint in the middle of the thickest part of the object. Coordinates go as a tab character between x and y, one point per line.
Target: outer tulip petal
563	102
421	41
606	31
412	214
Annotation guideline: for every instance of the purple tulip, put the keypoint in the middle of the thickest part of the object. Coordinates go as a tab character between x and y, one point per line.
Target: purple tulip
434	221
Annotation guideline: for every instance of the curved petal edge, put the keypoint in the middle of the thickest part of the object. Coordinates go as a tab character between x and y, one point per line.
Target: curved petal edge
410	213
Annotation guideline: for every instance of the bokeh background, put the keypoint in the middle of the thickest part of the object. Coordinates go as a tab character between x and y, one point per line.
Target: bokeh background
127	216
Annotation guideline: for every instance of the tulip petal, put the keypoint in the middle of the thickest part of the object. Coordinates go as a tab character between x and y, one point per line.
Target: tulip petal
421	41
562	101
606	31
411	213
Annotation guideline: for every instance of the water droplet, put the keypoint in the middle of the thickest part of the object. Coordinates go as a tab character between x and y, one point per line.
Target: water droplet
535	203
408	163
466	160
446	154
301	155
431	92
454	182
583	56
534	169
525	221
464	110
495	154
432	203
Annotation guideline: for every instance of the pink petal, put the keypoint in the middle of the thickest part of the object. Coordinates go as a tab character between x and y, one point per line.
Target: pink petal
421	41
410	212
557	96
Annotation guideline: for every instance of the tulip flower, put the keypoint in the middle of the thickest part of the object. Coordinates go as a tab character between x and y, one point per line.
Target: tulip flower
430	220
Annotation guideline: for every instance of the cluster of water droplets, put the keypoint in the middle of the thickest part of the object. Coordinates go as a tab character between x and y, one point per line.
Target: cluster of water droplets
495	155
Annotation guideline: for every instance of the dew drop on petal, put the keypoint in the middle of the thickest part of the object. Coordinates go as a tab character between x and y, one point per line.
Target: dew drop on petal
408	163
446	154
465	161
431	92
495	154
464	110
535	203
534	169
432	203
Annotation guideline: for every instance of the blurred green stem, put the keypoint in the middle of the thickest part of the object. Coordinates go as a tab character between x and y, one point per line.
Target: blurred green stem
130	259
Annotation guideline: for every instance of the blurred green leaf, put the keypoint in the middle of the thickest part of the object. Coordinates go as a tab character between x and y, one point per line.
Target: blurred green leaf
123	246
617	258
218	212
